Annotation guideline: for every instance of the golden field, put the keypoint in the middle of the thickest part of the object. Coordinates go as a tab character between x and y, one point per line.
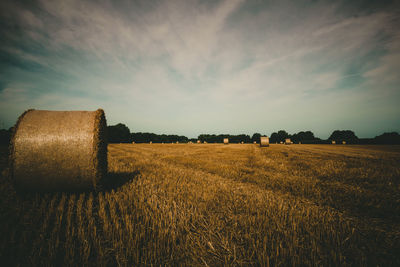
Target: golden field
213	205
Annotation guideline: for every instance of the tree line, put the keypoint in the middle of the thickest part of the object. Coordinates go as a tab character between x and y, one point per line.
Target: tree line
120	133
307	137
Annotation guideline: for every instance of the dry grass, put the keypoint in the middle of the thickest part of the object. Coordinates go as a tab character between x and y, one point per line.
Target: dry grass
210	205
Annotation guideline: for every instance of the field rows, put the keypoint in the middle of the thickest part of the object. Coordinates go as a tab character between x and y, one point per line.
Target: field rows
216	205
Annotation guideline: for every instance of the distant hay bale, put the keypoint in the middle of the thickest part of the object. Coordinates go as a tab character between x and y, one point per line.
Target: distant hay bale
299	143
344	142
254	142
333	142
133	142
151	142
280	142
226	141
198	141
59	151
264	141
205	142
287	141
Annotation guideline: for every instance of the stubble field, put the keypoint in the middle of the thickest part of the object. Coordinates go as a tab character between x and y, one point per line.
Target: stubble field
214	204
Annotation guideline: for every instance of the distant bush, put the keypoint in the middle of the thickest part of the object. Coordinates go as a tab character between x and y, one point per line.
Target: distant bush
212	138
158	138
5	136
119	133
388	138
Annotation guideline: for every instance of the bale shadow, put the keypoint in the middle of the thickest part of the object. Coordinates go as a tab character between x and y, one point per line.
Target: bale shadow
112	181
116	180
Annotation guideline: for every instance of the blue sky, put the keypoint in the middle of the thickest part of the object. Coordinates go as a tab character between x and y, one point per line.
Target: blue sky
192	67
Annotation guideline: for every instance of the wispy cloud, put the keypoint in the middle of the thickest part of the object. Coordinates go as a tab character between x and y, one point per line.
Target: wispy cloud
195	66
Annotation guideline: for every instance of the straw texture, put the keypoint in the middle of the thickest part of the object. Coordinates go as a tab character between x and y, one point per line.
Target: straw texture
59	151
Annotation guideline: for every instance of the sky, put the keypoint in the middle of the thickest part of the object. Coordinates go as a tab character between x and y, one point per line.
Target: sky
196	67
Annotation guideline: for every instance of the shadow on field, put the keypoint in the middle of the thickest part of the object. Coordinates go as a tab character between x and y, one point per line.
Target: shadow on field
118	179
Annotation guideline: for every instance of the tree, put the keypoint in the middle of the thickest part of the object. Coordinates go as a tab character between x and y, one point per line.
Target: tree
256	137
157	138
274	138
344	135
119	133
301	136
282	135
212	138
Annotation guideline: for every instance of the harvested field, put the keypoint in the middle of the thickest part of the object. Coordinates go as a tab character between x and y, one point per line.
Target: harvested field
314	205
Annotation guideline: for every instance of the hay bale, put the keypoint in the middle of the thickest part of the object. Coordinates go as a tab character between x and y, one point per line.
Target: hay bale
151	142
287	141
198	141
344	142
133	142
59	151
226	141
254	142
264	141
333	142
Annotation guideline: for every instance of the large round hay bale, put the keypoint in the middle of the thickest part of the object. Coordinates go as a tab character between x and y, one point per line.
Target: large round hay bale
226	141
59	150
264	141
